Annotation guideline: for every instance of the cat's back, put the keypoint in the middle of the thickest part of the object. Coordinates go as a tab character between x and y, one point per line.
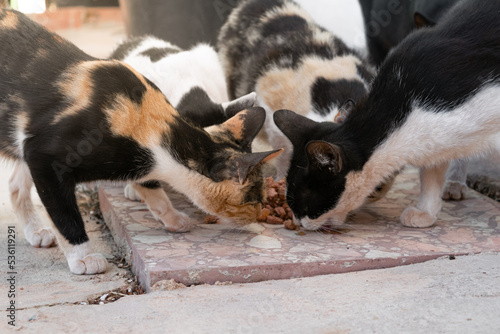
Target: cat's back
277	49
30	51
475	21
173	70
443	65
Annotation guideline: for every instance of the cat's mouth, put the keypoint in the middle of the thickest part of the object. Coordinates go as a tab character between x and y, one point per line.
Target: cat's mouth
240	214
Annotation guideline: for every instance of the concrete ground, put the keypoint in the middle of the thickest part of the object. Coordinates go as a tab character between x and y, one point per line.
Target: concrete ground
459	295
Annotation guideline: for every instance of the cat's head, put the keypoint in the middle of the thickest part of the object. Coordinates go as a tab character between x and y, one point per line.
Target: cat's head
225	176
317	175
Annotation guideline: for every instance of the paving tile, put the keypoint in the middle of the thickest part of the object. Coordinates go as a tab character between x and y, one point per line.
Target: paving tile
371	238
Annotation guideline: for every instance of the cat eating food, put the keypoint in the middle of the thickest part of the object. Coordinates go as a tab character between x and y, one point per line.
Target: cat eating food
69	118
436	98
192	80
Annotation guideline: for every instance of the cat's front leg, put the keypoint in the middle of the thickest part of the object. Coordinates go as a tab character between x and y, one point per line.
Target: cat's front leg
130	193
160	206
455	187
20	195
58	197
429	202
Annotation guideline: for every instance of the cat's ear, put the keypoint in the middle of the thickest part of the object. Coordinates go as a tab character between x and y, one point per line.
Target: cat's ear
233	107
324	156
294	126
421	21
245	125
246	163
240	166
344	111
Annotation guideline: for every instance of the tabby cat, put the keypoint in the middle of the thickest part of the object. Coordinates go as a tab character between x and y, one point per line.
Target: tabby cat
436	98
69	118
275	48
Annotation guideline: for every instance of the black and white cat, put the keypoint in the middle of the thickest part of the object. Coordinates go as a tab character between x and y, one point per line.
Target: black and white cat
193	81
275	48
435	99
69	118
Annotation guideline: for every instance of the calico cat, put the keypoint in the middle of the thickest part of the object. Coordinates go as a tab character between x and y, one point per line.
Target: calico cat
436	98
192	80
69	118
275	48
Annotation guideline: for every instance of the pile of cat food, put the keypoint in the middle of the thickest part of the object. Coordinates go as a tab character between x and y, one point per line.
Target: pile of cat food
275	209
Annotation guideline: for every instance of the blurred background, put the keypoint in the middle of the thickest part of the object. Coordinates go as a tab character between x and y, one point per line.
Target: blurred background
97	26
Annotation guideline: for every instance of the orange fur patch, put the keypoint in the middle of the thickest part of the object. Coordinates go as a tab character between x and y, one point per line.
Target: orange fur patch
77	87
226	200
291	88
145	122
9	21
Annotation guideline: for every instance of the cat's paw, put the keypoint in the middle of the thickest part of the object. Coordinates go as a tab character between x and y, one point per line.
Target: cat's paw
43	238
176	222
91	264
130	193
413	217
454	190
330	221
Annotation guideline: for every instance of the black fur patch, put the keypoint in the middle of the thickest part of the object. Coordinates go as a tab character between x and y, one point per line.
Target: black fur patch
196	106
285	24
388	22
124	48
327	94
156	54
118	79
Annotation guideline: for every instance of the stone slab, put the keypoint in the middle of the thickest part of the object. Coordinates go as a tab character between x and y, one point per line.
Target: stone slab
372	238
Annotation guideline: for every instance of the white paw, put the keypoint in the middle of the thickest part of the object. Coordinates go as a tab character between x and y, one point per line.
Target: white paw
176	222
413	217
42	238
327	221
454	190
130	193
91	264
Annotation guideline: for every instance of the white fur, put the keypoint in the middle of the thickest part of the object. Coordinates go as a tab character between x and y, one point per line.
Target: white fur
20	195
343	17
276	139
178	177
428	139
83	261
162	209
177	73
455	187
330	117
